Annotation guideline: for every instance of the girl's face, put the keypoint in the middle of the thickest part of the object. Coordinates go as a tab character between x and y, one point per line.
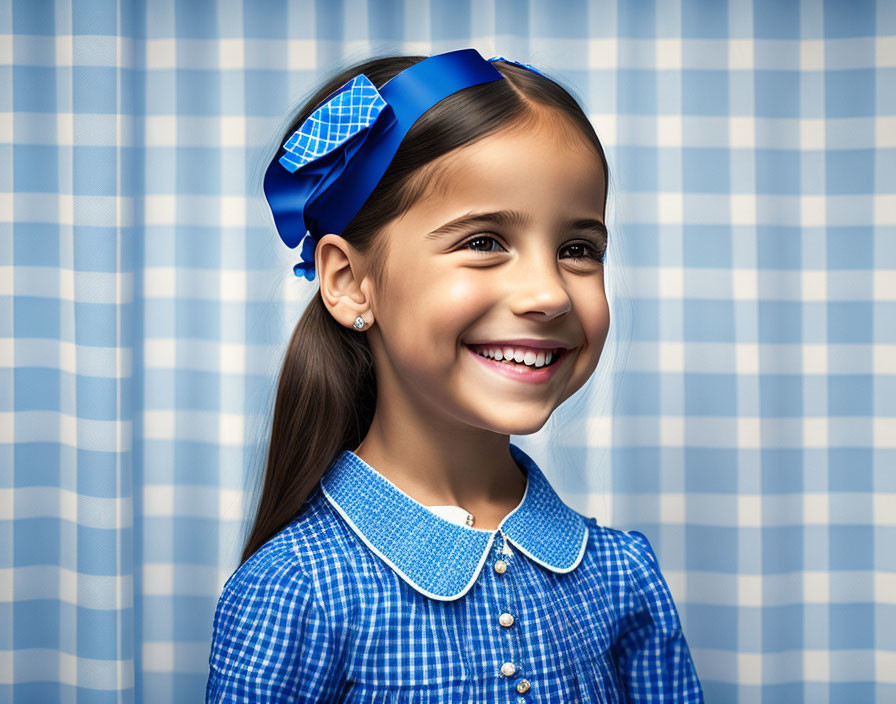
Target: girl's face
532	272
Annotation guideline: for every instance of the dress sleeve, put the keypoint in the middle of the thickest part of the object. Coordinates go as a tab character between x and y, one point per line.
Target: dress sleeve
271	641
652	655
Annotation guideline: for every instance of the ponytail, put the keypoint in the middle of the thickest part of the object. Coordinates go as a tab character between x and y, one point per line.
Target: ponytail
326	395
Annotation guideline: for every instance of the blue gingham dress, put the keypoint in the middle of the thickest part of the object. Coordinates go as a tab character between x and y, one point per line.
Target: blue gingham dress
368	596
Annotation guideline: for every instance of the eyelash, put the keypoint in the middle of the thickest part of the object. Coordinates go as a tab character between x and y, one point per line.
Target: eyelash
594	253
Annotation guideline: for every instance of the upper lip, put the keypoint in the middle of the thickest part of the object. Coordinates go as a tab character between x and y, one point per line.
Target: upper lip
538	343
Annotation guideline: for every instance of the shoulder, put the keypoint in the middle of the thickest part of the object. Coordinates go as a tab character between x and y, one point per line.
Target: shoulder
272	628
630	557
630	547
613	542
309	556
303	552
284	581
273	578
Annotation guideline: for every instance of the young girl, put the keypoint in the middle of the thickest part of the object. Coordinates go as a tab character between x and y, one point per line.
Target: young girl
404	550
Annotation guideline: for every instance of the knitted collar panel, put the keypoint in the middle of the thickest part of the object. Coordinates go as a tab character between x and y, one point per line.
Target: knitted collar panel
441	559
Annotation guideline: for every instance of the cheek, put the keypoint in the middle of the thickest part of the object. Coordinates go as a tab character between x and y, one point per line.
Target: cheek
444	306
594	312
460	302
426	314
463	295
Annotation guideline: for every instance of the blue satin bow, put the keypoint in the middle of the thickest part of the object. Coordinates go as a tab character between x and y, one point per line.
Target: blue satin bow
353	109
341	124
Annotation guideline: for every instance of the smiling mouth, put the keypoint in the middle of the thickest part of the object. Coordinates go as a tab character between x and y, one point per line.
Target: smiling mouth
549	357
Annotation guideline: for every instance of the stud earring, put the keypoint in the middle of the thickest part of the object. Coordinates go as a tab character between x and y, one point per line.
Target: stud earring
359	323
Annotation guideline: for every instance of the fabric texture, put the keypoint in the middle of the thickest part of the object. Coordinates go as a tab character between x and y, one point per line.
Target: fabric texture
368	596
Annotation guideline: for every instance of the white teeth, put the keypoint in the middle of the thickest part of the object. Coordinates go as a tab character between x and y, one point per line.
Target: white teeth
528	357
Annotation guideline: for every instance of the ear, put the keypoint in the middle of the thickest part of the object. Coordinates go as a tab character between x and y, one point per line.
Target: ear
343	288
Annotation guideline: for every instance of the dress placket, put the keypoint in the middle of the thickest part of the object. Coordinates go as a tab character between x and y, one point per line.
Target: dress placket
516	670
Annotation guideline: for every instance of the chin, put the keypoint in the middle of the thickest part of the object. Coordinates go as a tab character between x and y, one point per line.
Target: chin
519	424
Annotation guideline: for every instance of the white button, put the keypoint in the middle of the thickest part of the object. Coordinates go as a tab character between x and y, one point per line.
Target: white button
508	668
505	619
500	567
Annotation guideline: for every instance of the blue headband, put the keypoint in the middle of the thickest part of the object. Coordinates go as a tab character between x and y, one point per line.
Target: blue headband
333	162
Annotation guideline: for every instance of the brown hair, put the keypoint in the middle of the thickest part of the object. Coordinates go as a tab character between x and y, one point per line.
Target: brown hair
326	392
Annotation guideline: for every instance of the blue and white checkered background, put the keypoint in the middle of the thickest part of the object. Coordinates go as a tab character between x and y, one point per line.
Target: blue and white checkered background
146	301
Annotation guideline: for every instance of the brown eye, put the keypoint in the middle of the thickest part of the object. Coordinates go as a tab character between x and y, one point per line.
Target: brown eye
586	250
580	250
479	239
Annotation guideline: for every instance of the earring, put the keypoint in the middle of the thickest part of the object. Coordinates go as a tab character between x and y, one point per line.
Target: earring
359	323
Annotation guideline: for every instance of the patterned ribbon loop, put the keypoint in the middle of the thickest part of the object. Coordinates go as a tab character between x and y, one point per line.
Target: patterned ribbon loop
348	112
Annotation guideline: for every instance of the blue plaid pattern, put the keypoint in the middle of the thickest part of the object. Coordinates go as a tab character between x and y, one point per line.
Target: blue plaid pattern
370	597
354	107
145	301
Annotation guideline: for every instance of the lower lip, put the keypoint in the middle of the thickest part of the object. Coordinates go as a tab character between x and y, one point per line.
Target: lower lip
521	373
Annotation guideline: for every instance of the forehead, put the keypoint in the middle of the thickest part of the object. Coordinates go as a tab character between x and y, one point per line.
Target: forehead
543	167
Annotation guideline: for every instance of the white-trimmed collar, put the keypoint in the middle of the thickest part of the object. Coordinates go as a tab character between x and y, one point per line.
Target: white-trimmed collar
437	557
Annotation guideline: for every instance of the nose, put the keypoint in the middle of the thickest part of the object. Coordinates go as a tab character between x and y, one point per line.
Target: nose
538	287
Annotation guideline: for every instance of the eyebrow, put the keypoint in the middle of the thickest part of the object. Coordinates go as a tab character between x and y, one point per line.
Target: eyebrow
508	218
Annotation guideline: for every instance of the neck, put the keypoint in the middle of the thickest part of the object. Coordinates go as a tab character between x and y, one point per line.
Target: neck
473	469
